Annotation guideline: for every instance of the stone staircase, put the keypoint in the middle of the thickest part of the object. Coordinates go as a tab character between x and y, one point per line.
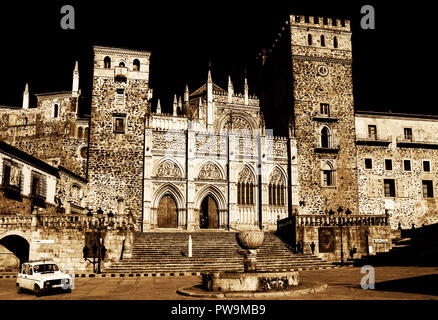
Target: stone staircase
156	252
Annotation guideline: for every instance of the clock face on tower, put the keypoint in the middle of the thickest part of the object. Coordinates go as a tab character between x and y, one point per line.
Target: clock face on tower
323	70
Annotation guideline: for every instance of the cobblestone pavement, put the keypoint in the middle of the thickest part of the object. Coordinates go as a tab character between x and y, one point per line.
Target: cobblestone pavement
344	283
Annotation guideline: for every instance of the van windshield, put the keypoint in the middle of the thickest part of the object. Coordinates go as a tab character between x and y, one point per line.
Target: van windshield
45	268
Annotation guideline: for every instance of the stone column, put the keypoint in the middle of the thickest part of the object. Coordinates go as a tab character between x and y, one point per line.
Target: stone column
190	188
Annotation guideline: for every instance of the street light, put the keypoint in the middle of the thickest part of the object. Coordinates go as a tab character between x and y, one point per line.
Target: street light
99	227
341	223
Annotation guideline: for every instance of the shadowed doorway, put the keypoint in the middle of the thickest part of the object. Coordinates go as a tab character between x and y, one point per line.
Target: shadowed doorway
167	216
209	214
18	246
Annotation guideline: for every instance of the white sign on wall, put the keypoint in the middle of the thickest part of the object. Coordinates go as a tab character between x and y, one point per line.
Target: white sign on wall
43	241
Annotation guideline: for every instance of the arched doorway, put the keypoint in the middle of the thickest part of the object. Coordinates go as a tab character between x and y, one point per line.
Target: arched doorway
209	214
167	215
17	245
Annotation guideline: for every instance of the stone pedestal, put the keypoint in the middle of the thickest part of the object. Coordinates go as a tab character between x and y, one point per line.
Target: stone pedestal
250	260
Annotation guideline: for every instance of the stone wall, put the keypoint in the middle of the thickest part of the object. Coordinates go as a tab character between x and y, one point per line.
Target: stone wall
323	75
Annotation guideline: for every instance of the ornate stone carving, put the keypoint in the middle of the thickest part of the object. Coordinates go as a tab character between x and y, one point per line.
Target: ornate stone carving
210	143
276	177
246	146
168	140
210	171
246	175
168	169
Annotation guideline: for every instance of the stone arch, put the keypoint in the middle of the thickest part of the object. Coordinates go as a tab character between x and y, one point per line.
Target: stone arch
277	186
168	167
215	193
18	245
210	169
171	189
107	62
237	115
251	170
246	183
326	137
283	174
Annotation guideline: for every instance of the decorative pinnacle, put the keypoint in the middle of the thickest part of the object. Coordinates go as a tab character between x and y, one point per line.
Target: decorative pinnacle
76	66
26	88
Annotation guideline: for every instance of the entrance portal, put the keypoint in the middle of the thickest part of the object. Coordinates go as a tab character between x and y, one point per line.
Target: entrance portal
167	216
209	214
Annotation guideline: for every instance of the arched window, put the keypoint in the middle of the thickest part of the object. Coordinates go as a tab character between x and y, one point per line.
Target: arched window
322	41
245	187
328	175
277	189
80	133
309	39
325	138
136	65
122	64
107	62
55	111
335	42
86	133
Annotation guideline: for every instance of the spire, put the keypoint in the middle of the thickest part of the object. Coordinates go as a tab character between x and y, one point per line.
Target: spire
158	107
26	97
246	90
230	90
175	105
209	113
179	104
75	86
186	93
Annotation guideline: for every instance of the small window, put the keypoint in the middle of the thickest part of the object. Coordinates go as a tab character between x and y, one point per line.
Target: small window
389	187
322	41
83	152
80	133
325	138
136	65
407	165
388	164
328	175
372	132
325	109
427	188
107	62
122	64
335	42
368	163
55	110
119	125
426	165
309	39
408	134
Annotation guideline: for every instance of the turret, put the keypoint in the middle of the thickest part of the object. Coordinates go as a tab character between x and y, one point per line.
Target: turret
246	90
230	90
209	100
158	107
175	105
75	86
26	97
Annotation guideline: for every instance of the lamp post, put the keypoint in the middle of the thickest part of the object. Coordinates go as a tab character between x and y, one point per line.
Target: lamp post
341	223
99	227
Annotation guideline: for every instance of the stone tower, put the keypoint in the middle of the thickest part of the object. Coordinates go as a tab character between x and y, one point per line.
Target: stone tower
323	114
119	106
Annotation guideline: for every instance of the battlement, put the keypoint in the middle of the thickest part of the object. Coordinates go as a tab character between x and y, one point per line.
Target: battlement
320	22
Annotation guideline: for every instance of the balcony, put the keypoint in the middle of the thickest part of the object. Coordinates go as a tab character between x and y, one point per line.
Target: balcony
331	149
373	140
11	192
324	118
120	74
409	142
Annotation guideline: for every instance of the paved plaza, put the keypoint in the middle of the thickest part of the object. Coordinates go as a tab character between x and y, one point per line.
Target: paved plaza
399	283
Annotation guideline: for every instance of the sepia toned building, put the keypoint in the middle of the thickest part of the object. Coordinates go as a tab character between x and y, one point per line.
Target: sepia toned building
216	163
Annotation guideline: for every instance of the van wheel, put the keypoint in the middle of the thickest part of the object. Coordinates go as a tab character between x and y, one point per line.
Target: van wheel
37	290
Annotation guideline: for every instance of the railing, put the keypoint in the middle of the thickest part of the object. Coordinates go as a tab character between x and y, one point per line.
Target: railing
406	142
353	220
373	139
60	221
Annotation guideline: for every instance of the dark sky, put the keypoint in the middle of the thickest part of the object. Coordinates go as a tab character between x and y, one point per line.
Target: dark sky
394	66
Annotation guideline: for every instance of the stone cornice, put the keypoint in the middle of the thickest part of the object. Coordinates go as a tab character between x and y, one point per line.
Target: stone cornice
322	59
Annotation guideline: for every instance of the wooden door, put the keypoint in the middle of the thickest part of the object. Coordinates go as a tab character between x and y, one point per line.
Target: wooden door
209	215
167	216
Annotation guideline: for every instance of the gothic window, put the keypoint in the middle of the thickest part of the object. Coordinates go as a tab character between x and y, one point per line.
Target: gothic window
55	110
80	133
136	65
86	133
309	39
328	175
335	42
325	138
107	63
322	41
245	187
277	189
